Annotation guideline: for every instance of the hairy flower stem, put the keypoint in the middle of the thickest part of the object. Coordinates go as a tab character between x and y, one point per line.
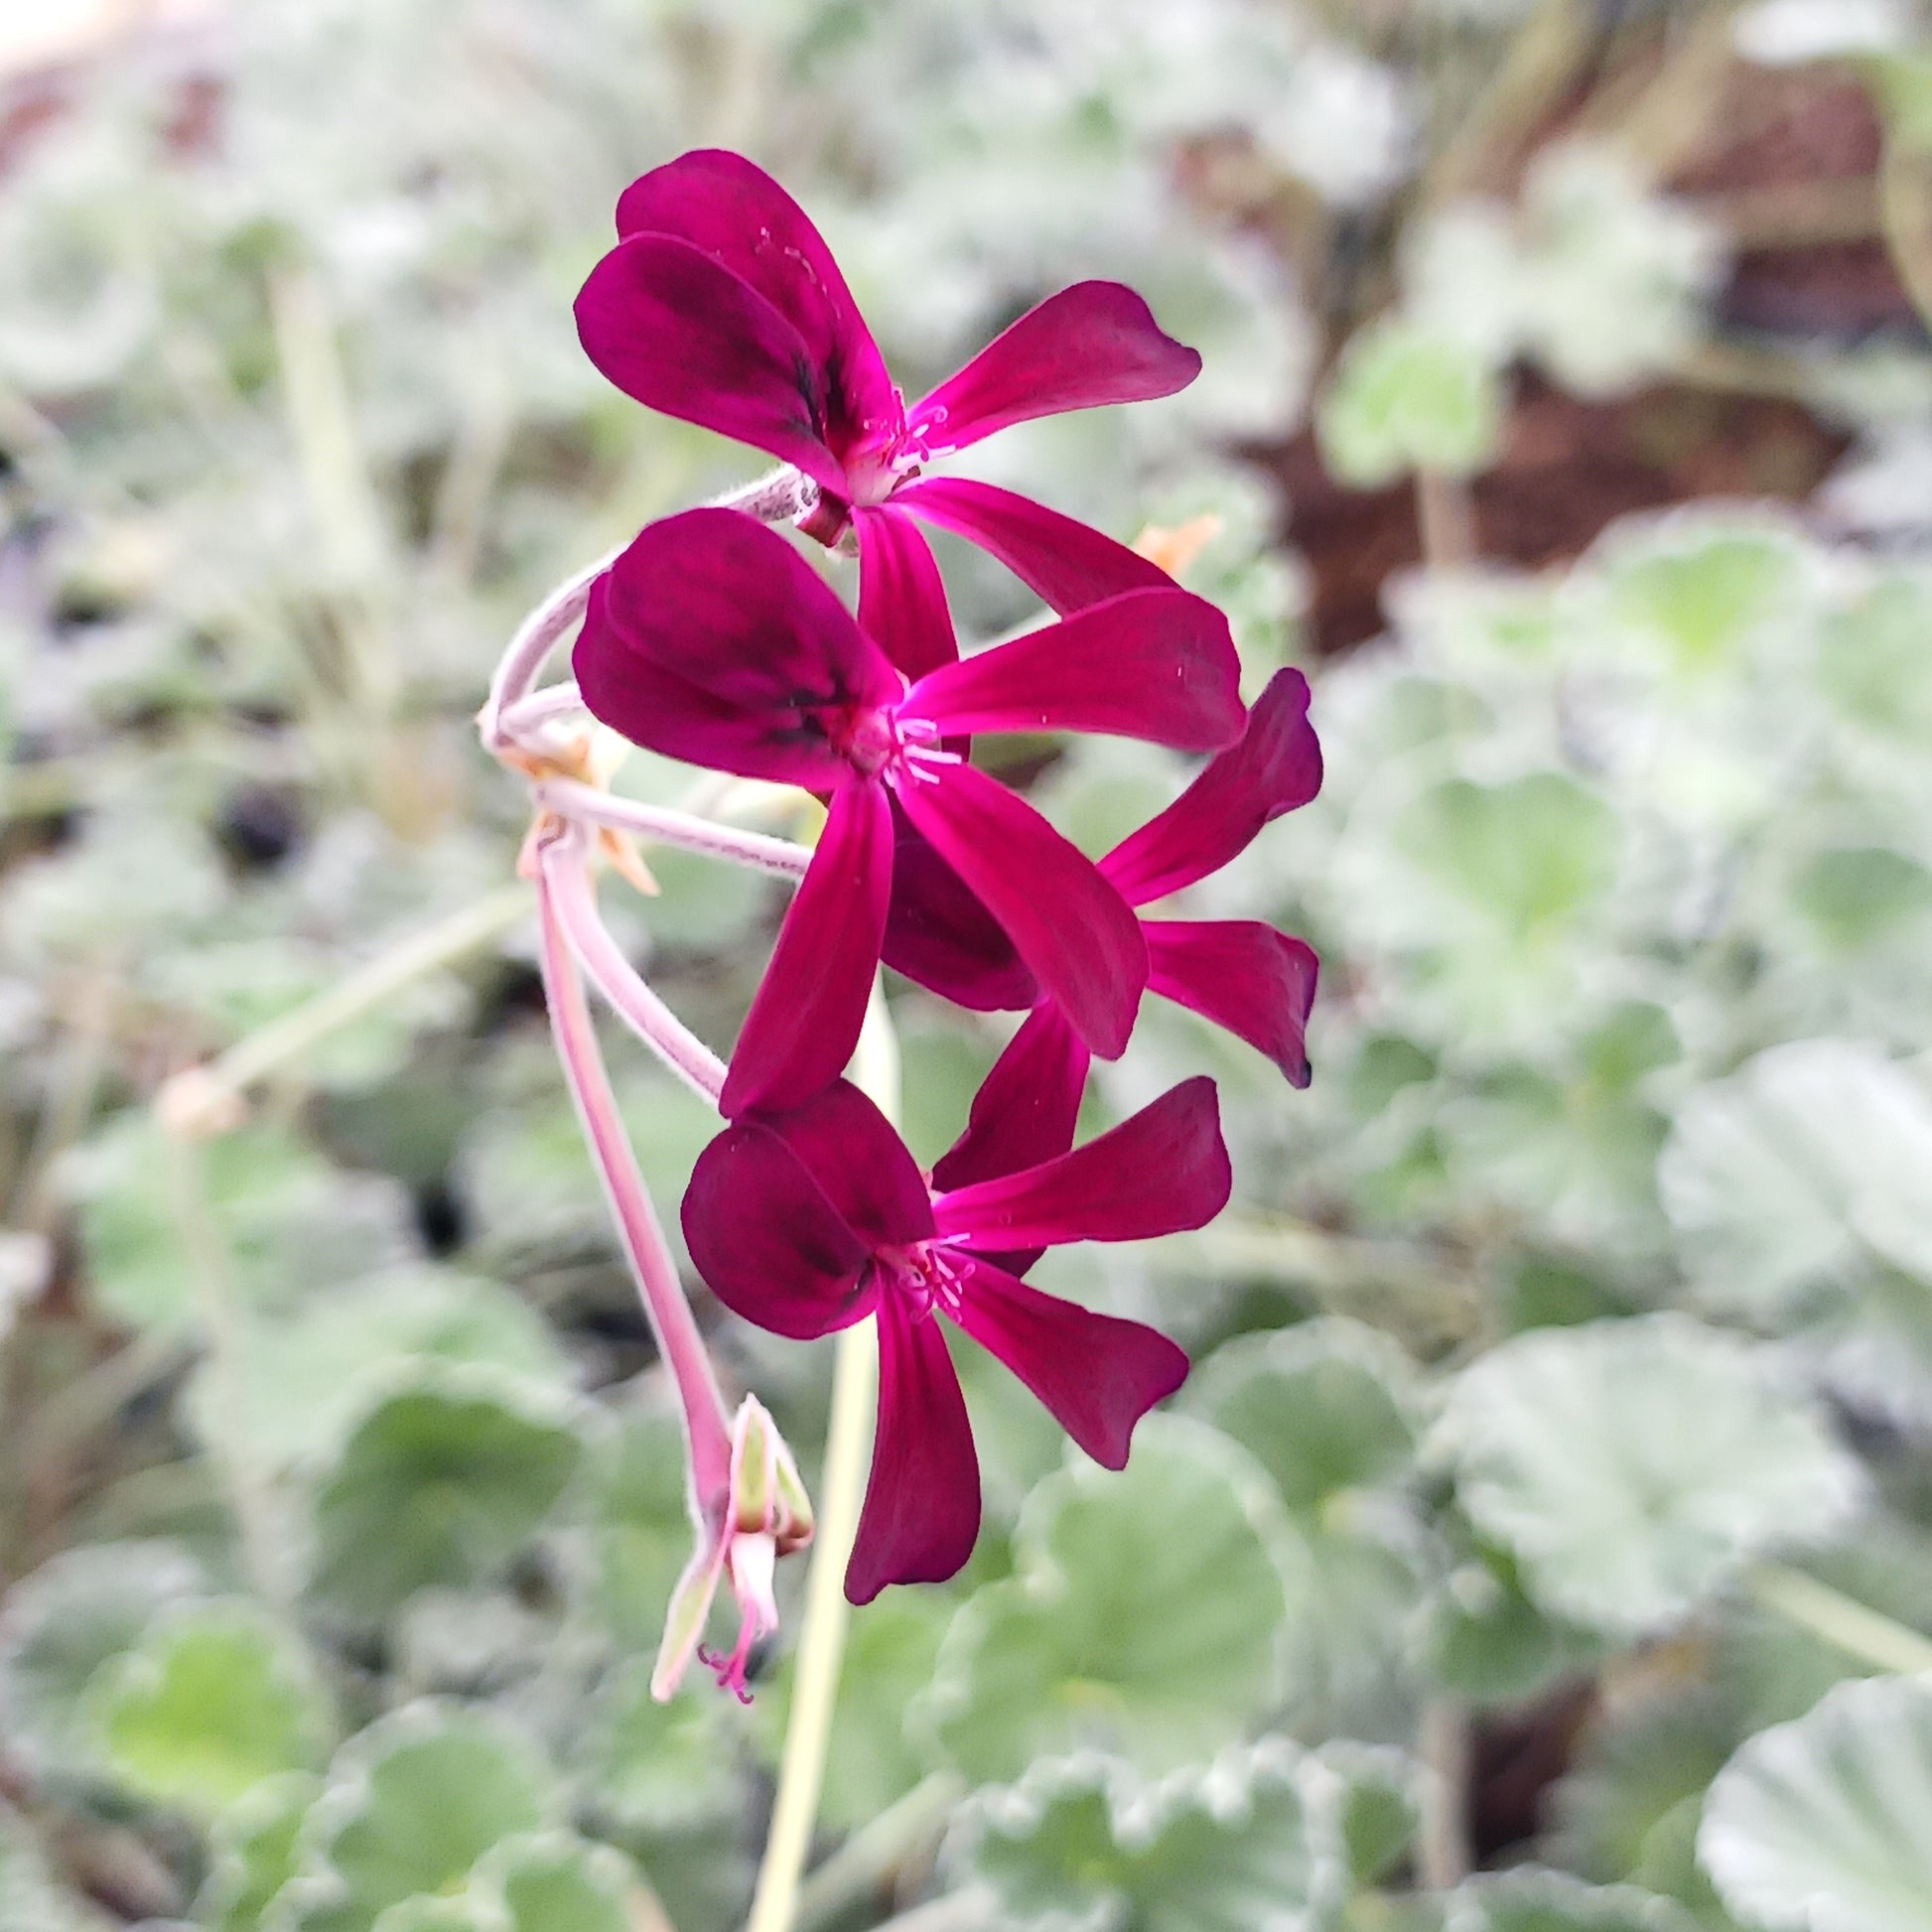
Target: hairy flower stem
874	1071
707	1432
570	901
667	826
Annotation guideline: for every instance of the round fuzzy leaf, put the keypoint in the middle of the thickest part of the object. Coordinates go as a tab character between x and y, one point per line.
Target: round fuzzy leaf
556	1883
643	1525
307	1379
1632	1467
1793	1172
657	1765
413	1803
441	1482
291	1221
464	1913
61	1626
205	1706
1403	399
1084	1841
252	1852
1825	1824
1144	1617
1532	1900
1325	1407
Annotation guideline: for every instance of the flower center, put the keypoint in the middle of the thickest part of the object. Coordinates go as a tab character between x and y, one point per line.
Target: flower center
885	743
884	455
930	1276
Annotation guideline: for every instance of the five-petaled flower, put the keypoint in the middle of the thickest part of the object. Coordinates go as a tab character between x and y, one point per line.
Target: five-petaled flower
711	640
807	1221
722	304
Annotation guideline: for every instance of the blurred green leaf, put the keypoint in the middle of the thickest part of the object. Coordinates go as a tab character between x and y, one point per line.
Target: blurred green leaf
1403	399
556	1883
664	1766
252	1852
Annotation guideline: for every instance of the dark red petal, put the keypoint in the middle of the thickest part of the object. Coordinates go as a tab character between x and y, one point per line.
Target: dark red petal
669	327
921	1514
769	1243
1151	665
1063	562
1073	930
1275	767
711	639
740	218
1158	1172
941	935
1025	1108
1245	976
902	599
1096	1374
854	1155
1095	342
804	1021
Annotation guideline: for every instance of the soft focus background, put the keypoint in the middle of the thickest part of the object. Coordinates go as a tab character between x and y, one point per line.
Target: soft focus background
1543	1543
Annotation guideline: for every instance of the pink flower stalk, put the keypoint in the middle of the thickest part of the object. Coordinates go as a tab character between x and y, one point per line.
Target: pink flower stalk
711	640
807	1221
722	304
1242	974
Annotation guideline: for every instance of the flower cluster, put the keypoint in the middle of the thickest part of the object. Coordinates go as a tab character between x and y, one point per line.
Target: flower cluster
711	639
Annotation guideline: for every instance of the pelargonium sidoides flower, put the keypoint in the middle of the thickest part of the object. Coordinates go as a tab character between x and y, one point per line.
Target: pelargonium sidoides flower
722	304
711	640
807	1221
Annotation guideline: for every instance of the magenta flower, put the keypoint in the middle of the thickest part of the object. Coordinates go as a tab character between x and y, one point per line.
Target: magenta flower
808	1221
722	304
1241	974
711	640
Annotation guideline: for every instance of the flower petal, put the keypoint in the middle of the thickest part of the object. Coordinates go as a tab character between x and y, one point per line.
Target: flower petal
1095	342
1156	664
1159	1170
854	1155
1063	562
736	214
1072	929
805	1017
1025	1108
669	327
769	1243
902	599
1274	769
921	1514
941	935
1243	975
1096	1374
711	639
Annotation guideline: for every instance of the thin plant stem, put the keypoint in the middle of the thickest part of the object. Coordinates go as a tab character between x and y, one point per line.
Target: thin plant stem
665	825
211	1265
1446	520
207	1099
571	900
821	1644
1842	1621
1442	1844
674	1327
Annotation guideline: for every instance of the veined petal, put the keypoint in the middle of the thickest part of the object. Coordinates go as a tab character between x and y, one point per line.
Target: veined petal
712	639
735	213
1092	344
941	935
902	599
1025	1108
854	1155
1096	1374
1066	565
1158	1172
805	1017
1155	664
769	1243
1274	769
1243	975
921	1514
672	328
1073	930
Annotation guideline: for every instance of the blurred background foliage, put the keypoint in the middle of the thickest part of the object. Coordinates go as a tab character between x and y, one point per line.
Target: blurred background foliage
1543	1542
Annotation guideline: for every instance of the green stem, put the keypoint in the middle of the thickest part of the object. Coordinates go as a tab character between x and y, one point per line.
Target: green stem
821	1644
1853	1627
